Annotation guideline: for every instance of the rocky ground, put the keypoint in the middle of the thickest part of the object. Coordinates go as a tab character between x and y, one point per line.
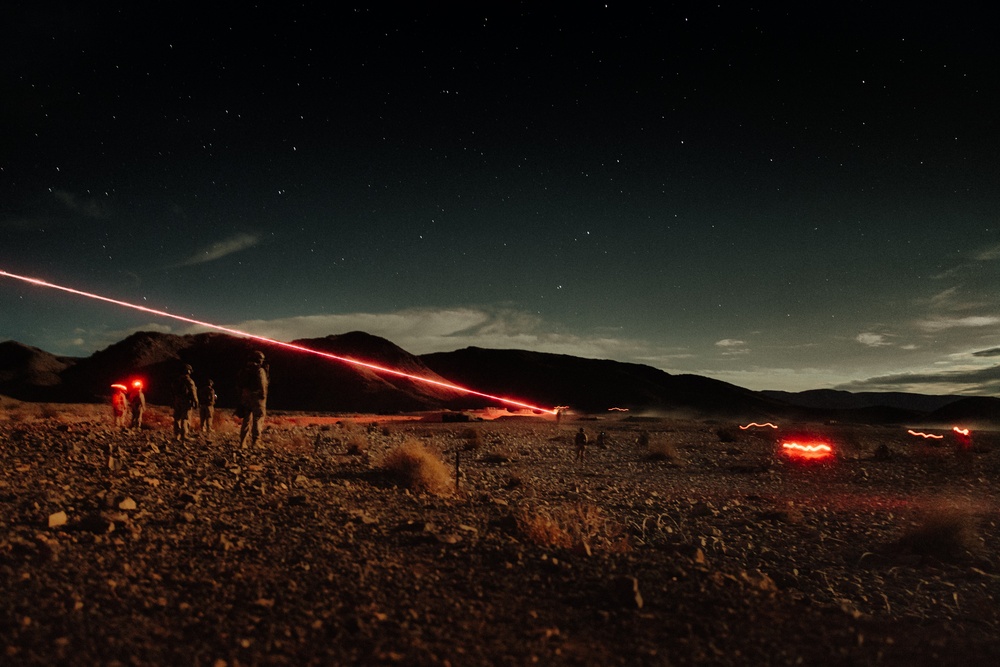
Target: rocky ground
706	546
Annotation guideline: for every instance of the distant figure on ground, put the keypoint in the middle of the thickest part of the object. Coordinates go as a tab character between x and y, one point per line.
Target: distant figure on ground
185	400
206	400
643	440
119	405
581	445
602	440
252	391
137	403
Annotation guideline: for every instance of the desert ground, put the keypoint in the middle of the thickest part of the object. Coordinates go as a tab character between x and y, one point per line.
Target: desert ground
349	539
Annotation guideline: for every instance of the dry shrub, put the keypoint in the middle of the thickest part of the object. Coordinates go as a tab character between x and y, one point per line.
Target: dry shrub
581	526
662	449
357	444
415	467
49	411
945	531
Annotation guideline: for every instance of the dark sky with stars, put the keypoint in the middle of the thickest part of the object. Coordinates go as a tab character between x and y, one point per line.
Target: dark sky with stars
791	196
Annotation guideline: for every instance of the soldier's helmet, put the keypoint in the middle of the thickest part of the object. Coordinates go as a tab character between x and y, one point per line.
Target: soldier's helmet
257	356
187	369
210	383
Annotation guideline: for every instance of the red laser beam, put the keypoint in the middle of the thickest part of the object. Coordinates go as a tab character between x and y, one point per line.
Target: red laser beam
755	424
929	436
271	341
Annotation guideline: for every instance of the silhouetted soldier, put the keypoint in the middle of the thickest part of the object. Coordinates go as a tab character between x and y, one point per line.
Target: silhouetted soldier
137	403
602	440
206	399
119	405
581	445
185	400
252	390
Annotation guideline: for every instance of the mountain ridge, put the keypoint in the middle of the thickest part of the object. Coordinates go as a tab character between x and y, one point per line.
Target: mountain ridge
348	382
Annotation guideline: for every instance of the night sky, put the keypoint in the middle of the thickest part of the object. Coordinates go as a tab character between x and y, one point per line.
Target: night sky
790	197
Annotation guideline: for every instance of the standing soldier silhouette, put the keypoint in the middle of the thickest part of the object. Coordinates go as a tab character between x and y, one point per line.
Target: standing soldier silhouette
206	399
119	405
185	400
252	391
581	445
137	403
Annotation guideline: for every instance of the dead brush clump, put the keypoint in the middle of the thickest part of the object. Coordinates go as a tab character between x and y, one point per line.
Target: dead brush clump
581	527
356	444
662	448
355	439
413	466
945	531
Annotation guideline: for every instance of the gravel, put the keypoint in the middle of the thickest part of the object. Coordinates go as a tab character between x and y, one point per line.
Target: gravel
129	548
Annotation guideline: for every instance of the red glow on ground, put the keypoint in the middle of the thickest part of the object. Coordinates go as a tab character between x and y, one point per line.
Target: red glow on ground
809	450
929	436
756	425
271	341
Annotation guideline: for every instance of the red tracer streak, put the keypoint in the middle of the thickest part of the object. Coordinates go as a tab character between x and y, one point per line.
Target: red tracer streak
815	450
271	341
755	424
929	436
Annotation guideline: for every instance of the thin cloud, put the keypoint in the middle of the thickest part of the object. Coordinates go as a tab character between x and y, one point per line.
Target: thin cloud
982	381
988	254
872	339
73	203
423	331
935	324
220	249
729	342
992	352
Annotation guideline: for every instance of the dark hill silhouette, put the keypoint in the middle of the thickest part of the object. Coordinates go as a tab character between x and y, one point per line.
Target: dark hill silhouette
595	385
846	400
298	381
30	374
974	411
307	382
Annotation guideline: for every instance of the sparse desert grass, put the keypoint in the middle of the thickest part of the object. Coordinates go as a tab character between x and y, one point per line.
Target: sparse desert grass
582	526
946	531
662	448
413	466
357	444
355	439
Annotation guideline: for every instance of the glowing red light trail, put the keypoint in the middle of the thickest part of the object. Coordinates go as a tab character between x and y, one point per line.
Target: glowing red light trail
808	451
960	431
929	436
755	424
271	341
